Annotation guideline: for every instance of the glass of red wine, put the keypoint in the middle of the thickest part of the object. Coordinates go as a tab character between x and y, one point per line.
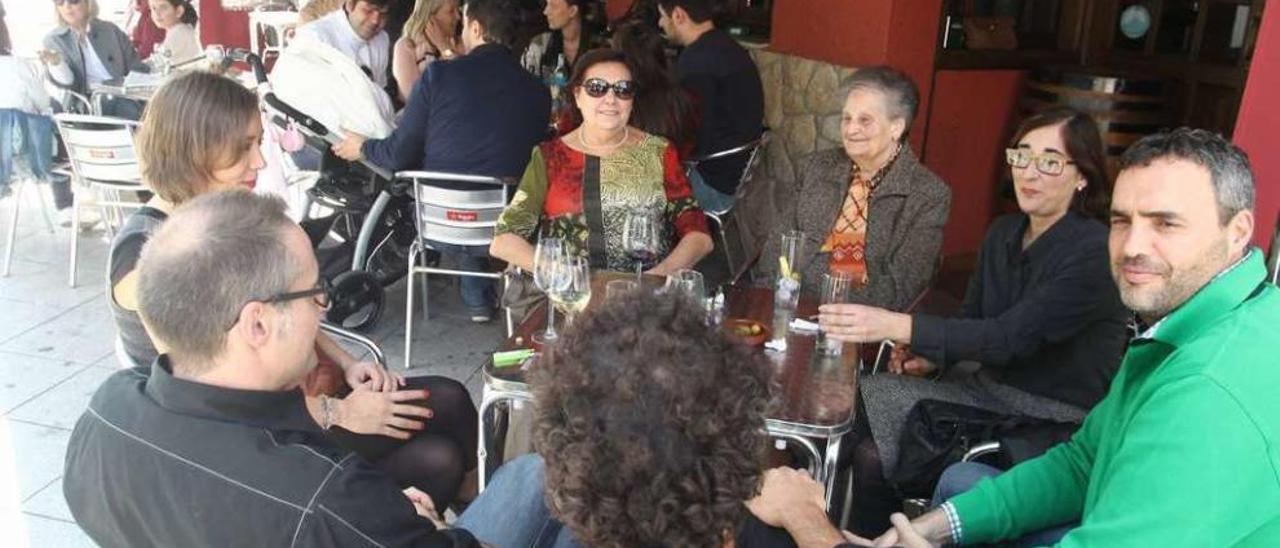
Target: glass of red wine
640	238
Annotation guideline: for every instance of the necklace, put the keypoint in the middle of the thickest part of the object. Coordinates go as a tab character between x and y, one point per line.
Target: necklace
582	139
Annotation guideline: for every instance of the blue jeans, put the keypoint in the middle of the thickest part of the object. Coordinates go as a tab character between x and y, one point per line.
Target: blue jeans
30	135
477	293
511	511
709	199
963	476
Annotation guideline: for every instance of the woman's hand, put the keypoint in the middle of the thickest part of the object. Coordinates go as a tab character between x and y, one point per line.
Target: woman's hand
364	411
903	362
373	377
860	323
350	149
425	507
49	57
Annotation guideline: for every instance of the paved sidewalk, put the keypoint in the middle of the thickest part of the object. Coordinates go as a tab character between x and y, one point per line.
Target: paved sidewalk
56	348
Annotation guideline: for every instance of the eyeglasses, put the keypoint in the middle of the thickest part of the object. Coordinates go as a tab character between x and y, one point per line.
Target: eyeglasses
66	2
622	89
321	294
1048	163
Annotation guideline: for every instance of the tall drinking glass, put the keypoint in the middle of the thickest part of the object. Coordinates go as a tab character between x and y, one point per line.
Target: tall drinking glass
546	257
835	290
786	289
617	288
640	238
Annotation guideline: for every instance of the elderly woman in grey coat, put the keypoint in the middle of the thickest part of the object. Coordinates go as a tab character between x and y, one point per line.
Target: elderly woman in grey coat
871	208
84	50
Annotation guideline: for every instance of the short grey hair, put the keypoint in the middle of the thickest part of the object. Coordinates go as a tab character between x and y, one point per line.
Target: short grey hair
1228	164
216	253
901	94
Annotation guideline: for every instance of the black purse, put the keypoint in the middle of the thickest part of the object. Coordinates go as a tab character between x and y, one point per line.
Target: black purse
937	434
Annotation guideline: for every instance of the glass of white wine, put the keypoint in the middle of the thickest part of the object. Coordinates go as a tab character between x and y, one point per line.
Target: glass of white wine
571	289
546	257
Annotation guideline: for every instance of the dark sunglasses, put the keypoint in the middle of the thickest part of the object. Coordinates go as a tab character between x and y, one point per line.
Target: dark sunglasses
321	294
66	2
622	89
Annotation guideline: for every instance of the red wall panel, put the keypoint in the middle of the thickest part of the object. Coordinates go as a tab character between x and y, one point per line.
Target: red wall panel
1258	124
972	114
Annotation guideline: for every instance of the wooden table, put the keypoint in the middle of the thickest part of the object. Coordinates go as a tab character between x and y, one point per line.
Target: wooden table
814	393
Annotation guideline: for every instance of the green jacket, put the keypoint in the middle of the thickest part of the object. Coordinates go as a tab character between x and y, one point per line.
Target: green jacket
1183	451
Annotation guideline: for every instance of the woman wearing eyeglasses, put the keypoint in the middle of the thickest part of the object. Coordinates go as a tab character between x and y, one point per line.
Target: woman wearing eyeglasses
607	164
431	445
1042	329
85	50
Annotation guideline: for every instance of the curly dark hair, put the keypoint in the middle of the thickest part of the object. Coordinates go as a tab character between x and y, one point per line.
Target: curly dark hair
651	425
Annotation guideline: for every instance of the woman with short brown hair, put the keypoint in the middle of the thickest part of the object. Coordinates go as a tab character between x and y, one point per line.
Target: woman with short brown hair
202	133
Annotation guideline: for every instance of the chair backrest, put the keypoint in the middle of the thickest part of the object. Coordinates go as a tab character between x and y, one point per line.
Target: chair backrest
101	149
752	150
454	208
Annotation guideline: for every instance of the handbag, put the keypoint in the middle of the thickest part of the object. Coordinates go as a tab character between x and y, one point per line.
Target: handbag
990	33
521	294
937	434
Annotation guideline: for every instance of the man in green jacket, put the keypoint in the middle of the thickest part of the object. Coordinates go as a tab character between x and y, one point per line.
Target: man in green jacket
1185	448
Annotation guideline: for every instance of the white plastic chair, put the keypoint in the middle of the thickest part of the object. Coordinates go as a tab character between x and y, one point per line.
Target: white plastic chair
105	163
452	213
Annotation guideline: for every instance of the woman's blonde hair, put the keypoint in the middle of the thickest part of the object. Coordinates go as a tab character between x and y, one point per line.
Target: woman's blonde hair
194	125
93	12
416	26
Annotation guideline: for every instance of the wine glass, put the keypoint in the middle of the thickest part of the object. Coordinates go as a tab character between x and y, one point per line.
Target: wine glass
546	258
690	283
835	290
572	286
640	238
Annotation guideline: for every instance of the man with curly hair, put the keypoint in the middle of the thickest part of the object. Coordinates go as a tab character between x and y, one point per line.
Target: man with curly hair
652	426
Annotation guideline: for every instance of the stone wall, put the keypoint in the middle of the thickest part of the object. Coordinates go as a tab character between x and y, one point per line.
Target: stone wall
802	109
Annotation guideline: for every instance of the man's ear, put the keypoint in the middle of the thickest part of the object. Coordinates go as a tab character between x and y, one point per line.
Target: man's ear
256	323
678	15
1240	231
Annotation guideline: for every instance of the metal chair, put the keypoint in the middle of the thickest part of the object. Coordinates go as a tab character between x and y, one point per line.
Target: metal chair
104	162
345	337
752	152
20	185
454	209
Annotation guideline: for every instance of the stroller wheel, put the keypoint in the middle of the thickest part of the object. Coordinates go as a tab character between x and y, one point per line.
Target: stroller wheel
357	300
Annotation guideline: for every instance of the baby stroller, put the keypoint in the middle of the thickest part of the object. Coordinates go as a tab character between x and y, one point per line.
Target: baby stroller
364	245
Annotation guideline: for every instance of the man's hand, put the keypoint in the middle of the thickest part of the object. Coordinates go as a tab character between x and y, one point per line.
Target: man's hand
903	362
786	491
350	147
903	533
425	506
373	377
364	411
860	323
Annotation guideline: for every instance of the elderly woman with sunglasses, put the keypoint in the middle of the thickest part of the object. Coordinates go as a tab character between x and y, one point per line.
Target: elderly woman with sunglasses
84	50
604	165
382	416
1042	329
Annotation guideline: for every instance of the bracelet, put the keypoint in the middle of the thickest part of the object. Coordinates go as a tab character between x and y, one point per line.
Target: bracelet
326	412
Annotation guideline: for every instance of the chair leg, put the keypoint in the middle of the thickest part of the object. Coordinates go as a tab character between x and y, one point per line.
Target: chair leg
44	210
408	307
16	199
426	289
75	239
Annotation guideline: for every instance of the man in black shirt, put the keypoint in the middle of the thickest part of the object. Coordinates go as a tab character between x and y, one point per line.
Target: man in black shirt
213	445
725	86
